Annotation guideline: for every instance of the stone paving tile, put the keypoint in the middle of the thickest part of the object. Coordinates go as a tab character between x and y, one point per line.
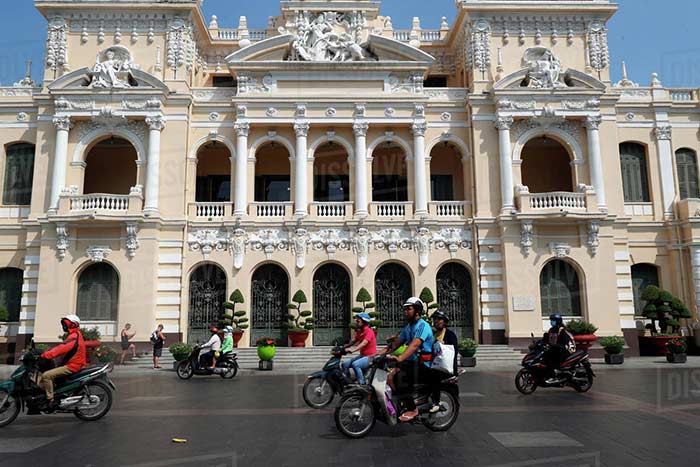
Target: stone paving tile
540	439
24	445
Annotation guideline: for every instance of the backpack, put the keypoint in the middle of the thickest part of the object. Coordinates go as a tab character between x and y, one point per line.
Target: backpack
154	338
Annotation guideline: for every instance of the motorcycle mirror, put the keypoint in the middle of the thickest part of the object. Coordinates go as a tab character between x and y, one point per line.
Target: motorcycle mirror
532	334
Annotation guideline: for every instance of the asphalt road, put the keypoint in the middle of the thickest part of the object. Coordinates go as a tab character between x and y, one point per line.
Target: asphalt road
630	418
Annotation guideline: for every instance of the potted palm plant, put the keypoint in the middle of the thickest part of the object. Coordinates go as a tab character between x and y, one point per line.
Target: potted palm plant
677	348
300	322
235	318
583	332
614	346
266	352
467	351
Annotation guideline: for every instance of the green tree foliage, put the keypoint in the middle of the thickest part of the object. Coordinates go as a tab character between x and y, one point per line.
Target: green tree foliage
299	320
368	306
232	317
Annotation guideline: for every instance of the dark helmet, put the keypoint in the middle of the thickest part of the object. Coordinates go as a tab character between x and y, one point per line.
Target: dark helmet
440	315
558	318
415	303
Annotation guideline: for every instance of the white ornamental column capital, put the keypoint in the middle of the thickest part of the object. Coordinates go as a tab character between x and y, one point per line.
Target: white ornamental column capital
360	128
663	133
62	123
593	122
419	128
302	129
155	123
504	123
242	128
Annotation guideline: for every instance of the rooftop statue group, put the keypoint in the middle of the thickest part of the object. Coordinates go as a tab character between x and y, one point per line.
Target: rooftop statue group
319	40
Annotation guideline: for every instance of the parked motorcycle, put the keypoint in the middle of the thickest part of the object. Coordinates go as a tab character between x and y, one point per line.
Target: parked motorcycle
321	387
362	405
575	372
226	366
87	394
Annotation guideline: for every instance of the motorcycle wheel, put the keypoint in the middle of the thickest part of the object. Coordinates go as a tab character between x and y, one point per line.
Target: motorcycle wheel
447	416
10	410
525	382
317	392
584	386
230	372
185	370
354	416
101	390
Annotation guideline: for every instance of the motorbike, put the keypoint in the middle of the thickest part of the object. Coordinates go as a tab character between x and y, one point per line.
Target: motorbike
226	366
321	387
362	405
86	394
575	371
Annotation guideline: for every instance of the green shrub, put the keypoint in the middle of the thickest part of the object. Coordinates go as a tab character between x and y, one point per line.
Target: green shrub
180	349
578	327
467	344
4	314
677	345
105	354
232	317
368	306
612	344
299	320
92	334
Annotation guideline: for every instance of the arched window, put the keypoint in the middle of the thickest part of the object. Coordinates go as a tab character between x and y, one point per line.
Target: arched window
560	289
98	293
11	291
446	179
19	173
331	173
687	168
110	167
643	275
546	166
389	173
213	173
272	173
633	162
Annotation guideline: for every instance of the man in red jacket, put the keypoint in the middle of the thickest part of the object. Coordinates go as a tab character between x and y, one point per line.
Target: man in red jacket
73	351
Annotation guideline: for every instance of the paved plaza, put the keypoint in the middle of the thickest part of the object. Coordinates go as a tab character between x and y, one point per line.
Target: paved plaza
632	417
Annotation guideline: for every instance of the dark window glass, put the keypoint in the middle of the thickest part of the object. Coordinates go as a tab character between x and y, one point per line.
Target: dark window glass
98	293
331	188
388	188
11	291
643	275
560	289
435	82
224	82
687	168
19	173
272	188
633	162
213	188
441	188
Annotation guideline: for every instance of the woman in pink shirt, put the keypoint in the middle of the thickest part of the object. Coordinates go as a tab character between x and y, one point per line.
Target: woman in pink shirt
366	343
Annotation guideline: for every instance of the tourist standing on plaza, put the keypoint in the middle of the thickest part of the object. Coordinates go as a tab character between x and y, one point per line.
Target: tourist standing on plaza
365	342
127	335
158	341
444	336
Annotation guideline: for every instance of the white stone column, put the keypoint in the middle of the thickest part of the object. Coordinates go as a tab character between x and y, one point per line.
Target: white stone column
503	125
360	129
301	205
668	185
155	126
60	160
695	262
595	159
240	197
419	175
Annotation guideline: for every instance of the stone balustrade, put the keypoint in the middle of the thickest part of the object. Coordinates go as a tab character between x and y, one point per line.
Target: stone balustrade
397	210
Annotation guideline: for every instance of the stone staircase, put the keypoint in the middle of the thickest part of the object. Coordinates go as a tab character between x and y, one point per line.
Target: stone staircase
313	358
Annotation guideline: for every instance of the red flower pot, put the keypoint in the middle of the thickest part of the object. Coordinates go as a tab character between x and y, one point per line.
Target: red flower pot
654	346
298	338
585	341
237	335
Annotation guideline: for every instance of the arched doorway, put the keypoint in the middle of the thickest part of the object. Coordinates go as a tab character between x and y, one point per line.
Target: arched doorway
213	173
643	275
272	173
560	289
389	179
98	293
392	286
546	166
270	296
446	173
207	297
110	167
11	280
331	173
454	294
331	304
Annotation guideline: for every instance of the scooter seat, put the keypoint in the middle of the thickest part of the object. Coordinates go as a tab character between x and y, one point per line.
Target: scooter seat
76	376
574	357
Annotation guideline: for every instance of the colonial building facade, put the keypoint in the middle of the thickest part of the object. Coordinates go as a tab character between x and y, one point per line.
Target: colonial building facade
166	161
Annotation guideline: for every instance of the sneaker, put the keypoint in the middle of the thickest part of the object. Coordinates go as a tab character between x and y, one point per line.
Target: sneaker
435	408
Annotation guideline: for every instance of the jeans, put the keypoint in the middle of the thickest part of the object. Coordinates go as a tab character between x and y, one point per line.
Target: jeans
359	364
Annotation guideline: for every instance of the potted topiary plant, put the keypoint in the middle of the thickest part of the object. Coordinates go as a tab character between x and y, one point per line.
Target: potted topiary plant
613	345
180	351
300	322
467	349
664	307
426	296
266	352
235	318
677	348
368	306
583	332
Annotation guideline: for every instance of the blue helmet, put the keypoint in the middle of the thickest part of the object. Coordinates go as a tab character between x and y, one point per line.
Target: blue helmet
556	318
364	317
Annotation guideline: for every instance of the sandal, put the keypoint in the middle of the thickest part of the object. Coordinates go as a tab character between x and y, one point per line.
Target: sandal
408	416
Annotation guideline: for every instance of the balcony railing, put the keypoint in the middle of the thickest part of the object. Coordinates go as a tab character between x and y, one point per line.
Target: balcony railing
203	210
100	202
448	208
399	209
277	209
683	95
583	201
335	210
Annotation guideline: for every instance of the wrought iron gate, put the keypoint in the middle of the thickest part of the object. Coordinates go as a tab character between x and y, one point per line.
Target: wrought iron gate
270	296
207	297
331	305
454	294
392	286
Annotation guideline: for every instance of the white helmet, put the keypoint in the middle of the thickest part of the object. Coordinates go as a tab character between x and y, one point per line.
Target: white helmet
73	319
416	303
228	330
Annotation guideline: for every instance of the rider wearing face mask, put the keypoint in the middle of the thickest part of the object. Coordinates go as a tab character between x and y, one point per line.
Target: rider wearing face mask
73	352
561	344
214	346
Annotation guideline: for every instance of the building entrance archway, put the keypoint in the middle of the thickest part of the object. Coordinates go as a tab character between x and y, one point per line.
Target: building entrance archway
454	294
331	304
392	286
270	296
207	297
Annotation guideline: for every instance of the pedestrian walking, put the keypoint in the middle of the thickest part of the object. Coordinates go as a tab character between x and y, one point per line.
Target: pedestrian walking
127	335
158	340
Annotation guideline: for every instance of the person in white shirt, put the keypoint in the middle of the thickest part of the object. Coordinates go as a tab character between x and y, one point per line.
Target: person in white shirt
214	346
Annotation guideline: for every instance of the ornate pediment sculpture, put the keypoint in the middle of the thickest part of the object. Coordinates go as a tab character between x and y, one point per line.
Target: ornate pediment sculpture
112	69
328	37
544	69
